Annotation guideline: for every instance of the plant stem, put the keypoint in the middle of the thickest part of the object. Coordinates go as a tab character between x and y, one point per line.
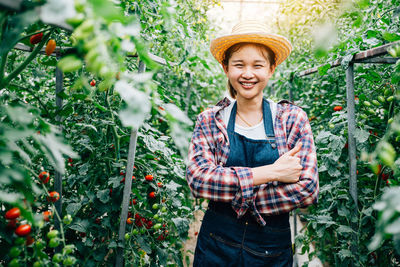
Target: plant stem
23	65
3	26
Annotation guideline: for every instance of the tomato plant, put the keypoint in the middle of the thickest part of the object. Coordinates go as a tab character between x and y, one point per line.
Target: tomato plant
334	221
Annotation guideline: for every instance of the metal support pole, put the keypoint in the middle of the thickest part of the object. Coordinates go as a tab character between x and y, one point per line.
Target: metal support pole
58	176
352	150
127	189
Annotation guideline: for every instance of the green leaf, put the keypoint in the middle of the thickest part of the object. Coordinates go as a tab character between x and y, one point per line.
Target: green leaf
104	195
391	37
54	150
394	227
57	11
322	70
137	104
344	229
361	135
345	253
73	208
143	244
16	25
79	225
182	225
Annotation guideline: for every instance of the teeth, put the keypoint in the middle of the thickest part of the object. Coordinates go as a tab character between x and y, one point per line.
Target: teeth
247	84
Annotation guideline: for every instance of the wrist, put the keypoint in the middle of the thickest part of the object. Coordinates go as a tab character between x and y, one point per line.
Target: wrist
264	174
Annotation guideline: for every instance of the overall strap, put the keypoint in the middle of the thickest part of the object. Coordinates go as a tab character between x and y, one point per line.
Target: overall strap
267	117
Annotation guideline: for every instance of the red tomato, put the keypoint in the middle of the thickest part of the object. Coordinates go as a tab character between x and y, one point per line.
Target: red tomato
23	230
54	196
159	184
13	213
149	177
29	240
44	177
133	201
337	108
70	160
93	83
47	215
152	194
35	39
129	221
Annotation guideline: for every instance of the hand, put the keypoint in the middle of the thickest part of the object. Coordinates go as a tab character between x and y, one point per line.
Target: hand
288	166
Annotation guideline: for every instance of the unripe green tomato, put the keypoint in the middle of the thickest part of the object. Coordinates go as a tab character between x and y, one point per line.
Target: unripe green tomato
390	120
387	92
376	102
371	111
19	241
68	249
155	206
127	236
69	261
157	226
390	98
14	263
54	242
52	234
57	257
37	264
156	216
67	219
367	104
39	244
135	231
14	252
331	125
381	99
386	157
163	209
363	116
142	231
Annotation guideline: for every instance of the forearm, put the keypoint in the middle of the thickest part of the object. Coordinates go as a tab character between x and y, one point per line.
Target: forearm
264	174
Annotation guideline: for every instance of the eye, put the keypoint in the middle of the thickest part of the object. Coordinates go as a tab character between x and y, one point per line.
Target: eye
259	66
238	65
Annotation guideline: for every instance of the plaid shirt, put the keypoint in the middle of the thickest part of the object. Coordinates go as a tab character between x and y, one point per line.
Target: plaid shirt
209	151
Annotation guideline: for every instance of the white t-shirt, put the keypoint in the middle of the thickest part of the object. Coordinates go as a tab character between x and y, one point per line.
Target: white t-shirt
256	132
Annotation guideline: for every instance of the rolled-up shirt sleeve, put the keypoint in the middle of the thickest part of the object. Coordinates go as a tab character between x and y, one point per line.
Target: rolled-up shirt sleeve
207	178
275	199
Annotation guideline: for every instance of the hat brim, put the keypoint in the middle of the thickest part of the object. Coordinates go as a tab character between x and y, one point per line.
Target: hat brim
278	44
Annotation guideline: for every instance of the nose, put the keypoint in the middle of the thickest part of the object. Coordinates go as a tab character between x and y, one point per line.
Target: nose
247	73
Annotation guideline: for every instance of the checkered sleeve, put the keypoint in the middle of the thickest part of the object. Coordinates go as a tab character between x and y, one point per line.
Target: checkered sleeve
206	175
286	197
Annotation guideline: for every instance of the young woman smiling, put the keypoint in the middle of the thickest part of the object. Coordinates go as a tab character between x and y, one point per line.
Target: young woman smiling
252	158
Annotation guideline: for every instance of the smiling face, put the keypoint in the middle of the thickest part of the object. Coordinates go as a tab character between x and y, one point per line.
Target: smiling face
248	70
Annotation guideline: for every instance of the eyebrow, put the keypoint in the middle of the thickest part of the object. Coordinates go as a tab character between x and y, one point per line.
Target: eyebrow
240	60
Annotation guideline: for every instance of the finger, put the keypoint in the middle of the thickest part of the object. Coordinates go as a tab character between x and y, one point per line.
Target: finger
295	150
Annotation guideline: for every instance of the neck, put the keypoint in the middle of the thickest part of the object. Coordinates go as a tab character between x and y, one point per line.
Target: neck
249	106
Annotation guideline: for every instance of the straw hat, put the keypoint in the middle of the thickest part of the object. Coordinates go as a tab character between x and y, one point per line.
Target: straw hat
251	31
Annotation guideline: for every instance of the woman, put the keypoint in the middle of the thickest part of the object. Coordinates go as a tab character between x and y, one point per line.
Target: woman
252	158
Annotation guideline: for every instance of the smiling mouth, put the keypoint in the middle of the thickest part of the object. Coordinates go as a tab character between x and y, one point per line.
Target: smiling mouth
247	84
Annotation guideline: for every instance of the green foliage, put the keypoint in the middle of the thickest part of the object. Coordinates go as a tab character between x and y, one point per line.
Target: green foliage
86	136
323	32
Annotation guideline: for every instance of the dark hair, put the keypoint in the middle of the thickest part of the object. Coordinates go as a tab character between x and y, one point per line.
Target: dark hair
270	56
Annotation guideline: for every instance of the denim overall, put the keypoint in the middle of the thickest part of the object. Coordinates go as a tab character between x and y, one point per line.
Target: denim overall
226	241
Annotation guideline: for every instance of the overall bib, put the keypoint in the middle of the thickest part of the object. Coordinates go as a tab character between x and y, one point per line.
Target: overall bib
227	241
